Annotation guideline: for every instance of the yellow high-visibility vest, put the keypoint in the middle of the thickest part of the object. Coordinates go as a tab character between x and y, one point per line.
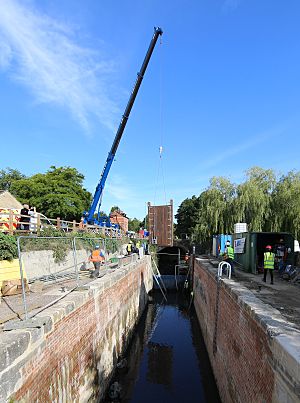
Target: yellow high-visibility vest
269	259
230	252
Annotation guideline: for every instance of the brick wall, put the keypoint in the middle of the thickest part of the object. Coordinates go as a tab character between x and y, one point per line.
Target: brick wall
69	352
243	341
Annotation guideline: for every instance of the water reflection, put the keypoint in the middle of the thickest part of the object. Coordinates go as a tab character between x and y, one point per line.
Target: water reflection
160	364
167	359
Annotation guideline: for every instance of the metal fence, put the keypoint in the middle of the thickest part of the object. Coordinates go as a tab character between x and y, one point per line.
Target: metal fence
52	267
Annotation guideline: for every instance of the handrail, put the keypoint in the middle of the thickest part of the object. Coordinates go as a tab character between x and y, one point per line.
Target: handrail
220	269
13	223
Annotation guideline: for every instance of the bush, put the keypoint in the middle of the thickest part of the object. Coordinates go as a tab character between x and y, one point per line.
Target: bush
8	247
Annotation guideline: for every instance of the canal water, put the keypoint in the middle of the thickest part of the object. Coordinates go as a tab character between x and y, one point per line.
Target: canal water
166	360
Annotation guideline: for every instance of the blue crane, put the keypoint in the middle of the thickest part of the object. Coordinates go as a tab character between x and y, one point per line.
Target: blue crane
89	216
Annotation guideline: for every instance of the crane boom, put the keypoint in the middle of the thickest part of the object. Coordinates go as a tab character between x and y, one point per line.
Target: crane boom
89	215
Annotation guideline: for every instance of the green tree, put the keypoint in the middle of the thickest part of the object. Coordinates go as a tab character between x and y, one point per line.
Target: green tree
57	193
253	202
186	217
262	201
285	204
8	247
114	208
215	213
8	176
134	224
145	223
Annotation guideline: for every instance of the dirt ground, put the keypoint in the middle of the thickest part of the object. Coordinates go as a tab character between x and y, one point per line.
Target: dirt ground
283	295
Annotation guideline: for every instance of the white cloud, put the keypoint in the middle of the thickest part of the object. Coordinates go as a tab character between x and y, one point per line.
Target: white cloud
232	149
42	54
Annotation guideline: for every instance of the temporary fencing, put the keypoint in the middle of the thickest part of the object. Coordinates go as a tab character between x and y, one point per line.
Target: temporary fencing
50	267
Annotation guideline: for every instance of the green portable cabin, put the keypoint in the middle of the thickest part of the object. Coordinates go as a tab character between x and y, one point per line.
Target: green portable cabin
250	248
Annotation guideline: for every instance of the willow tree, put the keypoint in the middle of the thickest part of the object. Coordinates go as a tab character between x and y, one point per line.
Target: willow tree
286	204
253	201
215	215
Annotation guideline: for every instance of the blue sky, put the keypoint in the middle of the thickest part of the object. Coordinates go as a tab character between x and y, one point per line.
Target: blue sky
221	93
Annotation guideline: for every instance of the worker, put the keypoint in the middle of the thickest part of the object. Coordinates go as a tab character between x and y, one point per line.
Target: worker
229	253
269	259
97	257
186	258
81	225
129	248
138	244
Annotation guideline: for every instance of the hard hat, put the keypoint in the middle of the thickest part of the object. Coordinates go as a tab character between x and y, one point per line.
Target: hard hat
227	242
97	246
268	247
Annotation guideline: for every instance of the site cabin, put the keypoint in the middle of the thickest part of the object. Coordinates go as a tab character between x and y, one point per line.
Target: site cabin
249	248
219	243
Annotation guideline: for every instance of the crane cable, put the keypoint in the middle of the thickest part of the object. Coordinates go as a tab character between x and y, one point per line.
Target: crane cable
160	169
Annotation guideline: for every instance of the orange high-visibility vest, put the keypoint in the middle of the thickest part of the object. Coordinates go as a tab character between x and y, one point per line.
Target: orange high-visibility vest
96	256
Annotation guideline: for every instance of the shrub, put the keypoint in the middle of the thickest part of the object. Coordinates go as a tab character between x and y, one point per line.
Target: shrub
8	247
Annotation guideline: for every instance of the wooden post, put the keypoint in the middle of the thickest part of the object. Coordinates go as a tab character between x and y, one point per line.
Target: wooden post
11	225
38	223
58	223
74	225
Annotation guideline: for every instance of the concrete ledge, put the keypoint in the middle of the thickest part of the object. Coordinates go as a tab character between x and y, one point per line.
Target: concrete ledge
274	337
58	327
12	346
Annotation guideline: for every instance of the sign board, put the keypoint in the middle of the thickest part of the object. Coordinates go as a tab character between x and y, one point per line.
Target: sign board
239	245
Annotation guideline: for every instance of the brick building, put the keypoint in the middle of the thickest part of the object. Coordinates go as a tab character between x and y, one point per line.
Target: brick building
118	217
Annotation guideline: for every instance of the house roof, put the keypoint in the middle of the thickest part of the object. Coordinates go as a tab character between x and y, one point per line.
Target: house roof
7	200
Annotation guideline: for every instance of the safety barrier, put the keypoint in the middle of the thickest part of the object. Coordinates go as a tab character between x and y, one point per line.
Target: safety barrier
48	268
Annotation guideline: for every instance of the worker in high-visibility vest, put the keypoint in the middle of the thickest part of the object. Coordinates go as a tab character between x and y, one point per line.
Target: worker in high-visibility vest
269	260
97	257
229	252
129	248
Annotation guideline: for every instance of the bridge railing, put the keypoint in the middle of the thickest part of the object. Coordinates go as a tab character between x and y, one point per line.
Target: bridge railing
12	222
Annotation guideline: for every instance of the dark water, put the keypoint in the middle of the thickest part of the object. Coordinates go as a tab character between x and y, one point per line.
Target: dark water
167	360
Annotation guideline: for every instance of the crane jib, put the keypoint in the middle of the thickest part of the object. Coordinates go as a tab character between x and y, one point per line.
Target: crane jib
89	215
